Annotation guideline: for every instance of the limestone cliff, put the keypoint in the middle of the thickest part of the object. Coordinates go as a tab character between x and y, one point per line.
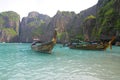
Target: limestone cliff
101	21
77	26
9	26
106	24
60	22
88	28
108	18
33	26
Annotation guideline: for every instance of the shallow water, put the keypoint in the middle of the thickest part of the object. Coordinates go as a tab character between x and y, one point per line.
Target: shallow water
19	62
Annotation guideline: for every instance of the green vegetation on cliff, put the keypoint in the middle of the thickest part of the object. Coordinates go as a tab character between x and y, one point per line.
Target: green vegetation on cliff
9	26
36	26
61	35
12	16
37	32
2	21
109	18
33	26
9	31
89	25
89	17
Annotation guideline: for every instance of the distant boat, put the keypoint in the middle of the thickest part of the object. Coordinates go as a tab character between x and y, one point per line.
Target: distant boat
117	43
92	46
3	42
44	47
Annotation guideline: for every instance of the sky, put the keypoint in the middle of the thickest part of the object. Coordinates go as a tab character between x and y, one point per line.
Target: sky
48	7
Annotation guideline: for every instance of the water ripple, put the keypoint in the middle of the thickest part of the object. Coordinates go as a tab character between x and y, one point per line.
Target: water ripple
19	62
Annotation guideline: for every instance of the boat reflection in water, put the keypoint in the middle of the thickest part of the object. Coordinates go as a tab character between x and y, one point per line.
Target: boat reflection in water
45	47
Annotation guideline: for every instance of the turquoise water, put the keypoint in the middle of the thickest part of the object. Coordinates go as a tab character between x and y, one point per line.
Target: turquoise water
19	62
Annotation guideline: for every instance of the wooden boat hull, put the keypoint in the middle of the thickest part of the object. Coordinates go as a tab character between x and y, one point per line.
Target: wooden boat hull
117	43
46	47
89	47
92	46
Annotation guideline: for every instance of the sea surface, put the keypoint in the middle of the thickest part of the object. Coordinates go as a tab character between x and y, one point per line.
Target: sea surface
19	62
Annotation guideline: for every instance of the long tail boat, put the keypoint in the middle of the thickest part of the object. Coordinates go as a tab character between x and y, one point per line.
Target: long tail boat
92	46
45	47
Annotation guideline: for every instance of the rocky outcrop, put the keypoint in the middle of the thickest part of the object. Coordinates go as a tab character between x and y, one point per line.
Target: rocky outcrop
88	28
60	22
33	26
9	26
77	29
